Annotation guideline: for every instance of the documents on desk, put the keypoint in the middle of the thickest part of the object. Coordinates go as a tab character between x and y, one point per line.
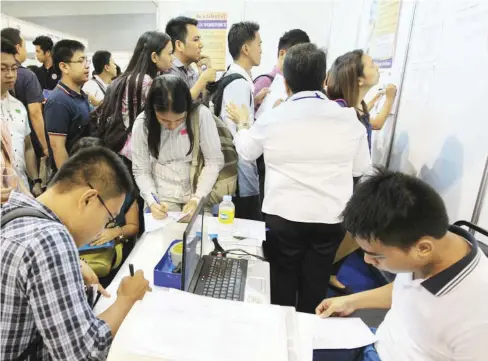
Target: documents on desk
151	224
182	326
246	232
176	325
334	332
252	233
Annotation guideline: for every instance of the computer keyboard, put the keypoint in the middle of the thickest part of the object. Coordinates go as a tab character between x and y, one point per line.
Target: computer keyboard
224	278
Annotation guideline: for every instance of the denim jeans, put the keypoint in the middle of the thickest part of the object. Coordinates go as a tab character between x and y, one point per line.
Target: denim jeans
369	353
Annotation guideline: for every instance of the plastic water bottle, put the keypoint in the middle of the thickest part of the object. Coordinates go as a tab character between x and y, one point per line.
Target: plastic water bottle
227	211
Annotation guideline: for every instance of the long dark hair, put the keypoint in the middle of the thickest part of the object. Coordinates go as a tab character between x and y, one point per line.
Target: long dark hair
342	79
139	65
167	93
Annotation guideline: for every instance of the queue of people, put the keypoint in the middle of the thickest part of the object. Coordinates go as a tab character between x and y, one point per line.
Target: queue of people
123	144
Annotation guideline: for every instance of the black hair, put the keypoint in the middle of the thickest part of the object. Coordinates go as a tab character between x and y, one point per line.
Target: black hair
119	71
239	34
44	42
8	47
291	38
167	93
304	68
99	60
12	35
100	167
64	50
86	142
395	209
140	65
177	28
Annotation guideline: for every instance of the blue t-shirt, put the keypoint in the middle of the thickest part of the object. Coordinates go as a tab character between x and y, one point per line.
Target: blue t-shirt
67	113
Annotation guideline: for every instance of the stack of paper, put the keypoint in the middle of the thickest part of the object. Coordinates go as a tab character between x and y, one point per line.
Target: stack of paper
181	326
334	333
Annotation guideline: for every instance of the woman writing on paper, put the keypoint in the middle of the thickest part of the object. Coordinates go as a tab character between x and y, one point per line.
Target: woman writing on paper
162	145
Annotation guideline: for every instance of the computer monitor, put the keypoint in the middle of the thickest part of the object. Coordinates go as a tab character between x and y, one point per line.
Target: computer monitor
192	246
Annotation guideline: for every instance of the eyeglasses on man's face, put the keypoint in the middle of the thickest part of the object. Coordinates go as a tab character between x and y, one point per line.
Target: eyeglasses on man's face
112	223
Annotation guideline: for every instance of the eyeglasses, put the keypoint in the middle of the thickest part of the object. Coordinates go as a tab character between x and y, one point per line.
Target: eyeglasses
12	69
112	223
82	61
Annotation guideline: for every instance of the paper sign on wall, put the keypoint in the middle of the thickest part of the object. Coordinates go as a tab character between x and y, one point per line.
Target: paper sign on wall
384	22
213	30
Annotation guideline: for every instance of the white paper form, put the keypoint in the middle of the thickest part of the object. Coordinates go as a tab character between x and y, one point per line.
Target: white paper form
336	333
151	224
181	326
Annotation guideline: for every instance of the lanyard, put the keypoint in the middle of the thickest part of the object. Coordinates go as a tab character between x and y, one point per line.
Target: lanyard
317	96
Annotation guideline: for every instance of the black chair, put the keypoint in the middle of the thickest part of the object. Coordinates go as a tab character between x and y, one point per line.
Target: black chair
476	229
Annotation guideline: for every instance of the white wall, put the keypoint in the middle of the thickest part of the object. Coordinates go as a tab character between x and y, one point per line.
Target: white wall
107	32
442	132
40	8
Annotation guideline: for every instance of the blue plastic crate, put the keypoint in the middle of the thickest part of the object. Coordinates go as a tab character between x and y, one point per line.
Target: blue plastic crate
163	272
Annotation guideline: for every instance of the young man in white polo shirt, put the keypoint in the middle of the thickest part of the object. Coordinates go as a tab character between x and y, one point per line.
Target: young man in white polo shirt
439	299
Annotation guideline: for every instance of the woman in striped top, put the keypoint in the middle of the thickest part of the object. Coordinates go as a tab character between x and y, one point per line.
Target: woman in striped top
162	145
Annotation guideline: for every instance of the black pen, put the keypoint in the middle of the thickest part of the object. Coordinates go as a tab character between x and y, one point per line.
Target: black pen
131	269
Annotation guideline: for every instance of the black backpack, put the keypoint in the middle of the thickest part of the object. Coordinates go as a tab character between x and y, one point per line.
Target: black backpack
31	350
109	125
216	91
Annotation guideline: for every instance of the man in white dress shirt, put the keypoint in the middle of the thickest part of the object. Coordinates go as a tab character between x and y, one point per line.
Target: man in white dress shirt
312	150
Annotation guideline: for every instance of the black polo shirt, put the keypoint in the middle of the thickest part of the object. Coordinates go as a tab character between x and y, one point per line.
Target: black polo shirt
67	113
47	77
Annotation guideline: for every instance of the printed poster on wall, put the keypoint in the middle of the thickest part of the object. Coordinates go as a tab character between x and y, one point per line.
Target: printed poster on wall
384	23
213	29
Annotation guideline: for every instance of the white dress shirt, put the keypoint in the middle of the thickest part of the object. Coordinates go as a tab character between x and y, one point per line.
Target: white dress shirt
240	92
312	149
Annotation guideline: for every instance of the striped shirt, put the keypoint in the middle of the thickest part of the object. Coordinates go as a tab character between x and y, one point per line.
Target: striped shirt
188	74
42	291
169	176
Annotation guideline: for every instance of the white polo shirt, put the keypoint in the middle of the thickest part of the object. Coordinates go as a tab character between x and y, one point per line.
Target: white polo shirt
96	88
14	115
312	149
443	318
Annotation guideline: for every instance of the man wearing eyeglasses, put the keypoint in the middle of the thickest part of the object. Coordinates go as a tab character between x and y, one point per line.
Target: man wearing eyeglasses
45	313
67	109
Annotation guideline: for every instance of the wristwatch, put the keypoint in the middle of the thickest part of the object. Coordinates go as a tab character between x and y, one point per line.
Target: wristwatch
243	125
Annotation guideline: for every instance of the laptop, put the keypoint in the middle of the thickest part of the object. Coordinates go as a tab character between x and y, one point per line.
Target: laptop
220	277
